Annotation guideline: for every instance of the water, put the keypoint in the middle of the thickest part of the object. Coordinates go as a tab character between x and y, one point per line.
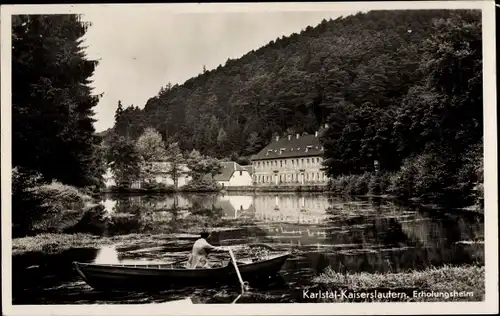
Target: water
347	235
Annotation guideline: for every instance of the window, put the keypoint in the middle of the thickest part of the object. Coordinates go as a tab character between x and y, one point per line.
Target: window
241	173
281	163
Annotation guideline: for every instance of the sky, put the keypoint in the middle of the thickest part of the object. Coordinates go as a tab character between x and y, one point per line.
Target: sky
140	51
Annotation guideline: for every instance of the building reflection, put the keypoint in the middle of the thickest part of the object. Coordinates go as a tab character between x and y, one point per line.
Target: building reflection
291	208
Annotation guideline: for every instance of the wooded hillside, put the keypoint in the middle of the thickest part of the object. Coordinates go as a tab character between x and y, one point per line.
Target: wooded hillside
399	88
293	83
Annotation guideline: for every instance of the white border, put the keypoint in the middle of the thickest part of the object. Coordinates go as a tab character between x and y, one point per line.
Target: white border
490	305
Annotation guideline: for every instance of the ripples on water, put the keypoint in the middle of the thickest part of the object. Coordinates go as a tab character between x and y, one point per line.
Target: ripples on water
371	236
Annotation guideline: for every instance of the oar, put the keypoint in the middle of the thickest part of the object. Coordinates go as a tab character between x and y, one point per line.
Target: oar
243	285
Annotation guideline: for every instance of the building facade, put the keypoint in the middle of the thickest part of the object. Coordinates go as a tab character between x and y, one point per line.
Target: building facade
160	174
291	160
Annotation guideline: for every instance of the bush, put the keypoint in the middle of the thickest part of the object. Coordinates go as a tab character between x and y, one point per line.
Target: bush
360	183
350	184
434	176
469	178
42	207
439	178
57	197
157	187
58	207
402	181
379	183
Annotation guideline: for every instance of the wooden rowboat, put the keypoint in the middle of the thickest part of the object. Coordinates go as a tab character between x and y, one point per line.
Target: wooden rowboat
154	276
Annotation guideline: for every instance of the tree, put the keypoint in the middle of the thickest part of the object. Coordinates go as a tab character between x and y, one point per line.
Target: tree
201	166
52	102
195	165
119	111
221	140
150	145
124	160
254	143
175	160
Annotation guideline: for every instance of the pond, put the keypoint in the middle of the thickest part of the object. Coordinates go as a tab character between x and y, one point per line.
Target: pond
371	235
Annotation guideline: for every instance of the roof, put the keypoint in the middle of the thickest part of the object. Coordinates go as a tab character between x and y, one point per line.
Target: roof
248	168
291	146
227	170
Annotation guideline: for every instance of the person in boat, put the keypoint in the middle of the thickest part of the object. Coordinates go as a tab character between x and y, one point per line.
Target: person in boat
200	251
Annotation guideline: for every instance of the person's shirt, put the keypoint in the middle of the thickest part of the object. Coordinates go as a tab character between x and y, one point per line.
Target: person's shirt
199	253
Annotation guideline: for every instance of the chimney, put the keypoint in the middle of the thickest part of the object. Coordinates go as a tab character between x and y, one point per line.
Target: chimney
297	135
289	137
316	134
277	137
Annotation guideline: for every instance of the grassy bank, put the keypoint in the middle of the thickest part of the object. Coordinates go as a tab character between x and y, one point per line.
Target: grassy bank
446	279
57	243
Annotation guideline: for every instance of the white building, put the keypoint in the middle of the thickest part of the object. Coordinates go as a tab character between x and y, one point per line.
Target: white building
233	175
293	159
159	171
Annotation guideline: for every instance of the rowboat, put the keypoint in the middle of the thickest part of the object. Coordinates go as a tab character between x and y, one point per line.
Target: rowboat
162	276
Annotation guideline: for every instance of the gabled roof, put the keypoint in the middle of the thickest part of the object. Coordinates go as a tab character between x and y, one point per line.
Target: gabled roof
291	146
248	168
228	168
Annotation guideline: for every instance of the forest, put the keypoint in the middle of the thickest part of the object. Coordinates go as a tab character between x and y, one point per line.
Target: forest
400	90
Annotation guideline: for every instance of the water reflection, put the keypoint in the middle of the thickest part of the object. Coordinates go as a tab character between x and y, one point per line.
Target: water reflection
360	235
368	235
107	255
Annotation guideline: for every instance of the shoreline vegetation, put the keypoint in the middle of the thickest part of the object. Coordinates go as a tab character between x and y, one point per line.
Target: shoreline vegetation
405	188
55	243
434	282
